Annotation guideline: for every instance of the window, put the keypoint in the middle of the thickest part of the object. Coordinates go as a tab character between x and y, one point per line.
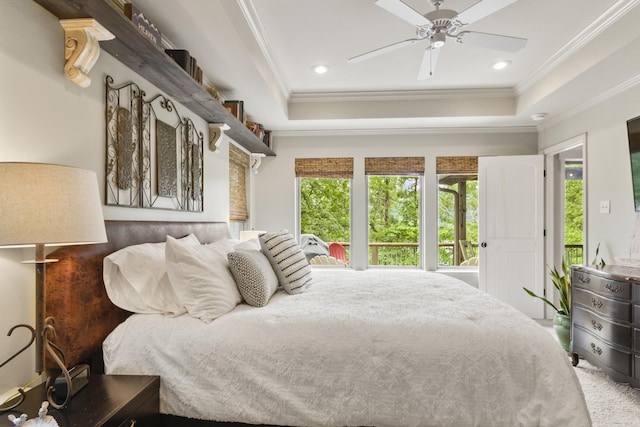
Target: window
457	210
394	191
238	169
325	205
573	209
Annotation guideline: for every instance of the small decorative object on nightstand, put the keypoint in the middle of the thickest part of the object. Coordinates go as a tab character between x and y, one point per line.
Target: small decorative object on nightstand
108	400
43	419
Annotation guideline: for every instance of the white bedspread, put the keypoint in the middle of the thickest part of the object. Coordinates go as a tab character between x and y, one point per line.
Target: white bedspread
376	347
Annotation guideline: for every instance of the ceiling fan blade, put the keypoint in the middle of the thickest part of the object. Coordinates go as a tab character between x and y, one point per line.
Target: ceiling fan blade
429	62
481	9
382	50
404	12
492	41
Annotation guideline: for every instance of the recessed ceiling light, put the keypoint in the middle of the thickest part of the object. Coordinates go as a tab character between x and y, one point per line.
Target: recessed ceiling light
320	69
501	65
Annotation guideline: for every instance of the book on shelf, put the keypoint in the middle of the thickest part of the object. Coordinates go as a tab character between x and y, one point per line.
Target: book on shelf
182	58
236	108
146	27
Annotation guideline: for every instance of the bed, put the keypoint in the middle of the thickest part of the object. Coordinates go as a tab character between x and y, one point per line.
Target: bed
375	347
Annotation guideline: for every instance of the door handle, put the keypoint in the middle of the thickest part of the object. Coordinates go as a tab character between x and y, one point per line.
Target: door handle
483	244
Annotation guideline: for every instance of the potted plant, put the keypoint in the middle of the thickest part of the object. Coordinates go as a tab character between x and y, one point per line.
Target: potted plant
562	282
562	318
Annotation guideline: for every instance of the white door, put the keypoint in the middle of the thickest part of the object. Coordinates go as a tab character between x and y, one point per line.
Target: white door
511	229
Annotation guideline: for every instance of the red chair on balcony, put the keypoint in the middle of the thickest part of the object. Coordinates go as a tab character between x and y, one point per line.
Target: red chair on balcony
337	251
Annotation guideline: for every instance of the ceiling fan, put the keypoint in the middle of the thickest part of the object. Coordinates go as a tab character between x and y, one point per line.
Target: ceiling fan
438	25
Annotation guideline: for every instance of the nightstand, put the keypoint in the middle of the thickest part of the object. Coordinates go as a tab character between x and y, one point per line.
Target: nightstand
108	400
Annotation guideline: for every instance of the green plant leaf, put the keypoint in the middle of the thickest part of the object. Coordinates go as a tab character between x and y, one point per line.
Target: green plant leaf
542	298
595	262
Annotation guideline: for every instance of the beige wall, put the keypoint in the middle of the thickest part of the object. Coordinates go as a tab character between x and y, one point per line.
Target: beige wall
608	171
46	118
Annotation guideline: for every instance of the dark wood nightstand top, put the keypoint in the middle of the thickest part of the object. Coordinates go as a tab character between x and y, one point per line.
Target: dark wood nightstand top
106	400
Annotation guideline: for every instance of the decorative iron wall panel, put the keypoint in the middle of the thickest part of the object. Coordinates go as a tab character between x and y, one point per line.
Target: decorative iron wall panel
154	155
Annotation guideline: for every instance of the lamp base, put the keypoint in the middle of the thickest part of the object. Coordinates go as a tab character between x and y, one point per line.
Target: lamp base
61	398
20	390
79	378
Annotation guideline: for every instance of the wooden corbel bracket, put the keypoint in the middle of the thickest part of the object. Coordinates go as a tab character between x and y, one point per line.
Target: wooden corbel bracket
256	160
215	134
81	47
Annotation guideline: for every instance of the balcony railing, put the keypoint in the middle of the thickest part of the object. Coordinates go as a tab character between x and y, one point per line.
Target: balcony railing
573	254
391	254
395	254
406	254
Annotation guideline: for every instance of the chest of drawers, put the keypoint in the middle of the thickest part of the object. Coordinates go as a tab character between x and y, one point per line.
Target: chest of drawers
605	320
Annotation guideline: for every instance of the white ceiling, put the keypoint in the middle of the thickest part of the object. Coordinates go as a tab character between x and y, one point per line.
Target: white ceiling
262	51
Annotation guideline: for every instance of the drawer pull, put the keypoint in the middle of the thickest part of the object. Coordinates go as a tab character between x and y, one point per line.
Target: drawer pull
596	325
133	423
583	279
614	289
597	350
596	304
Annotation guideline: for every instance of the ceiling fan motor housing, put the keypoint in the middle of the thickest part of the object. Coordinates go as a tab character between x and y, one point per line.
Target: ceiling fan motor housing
443	21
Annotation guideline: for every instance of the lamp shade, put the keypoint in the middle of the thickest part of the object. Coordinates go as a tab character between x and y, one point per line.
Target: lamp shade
250	234
49	204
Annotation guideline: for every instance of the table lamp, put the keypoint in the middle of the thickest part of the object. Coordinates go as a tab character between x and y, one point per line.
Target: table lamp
250	234
47	205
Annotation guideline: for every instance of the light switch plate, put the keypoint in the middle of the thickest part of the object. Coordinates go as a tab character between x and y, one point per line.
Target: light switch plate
605	206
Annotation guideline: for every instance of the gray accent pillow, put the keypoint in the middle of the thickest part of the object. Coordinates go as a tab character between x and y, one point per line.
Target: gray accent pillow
288	261
255	278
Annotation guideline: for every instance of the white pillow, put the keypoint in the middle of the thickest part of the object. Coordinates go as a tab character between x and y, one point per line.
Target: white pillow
248	245
225	245
288	261
201	279
136	279
254	276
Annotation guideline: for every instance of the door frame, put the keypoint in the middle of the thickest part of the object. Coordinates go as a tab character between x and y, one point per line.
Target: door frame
554	207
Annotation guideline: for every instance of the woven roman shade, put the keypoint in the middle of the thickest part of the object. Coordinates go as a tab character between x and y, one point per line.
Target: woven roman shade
238	168
410	166
468	164
339	167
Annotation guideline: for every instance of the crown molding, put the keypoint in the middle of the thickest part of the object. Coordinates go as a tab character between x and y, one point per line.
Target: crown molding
257	29
592	102
406	95
594	29
406	131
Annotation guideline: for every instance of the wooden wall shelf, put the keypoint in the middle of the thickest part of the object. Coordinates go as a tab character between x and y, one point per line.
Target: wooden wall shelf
142	56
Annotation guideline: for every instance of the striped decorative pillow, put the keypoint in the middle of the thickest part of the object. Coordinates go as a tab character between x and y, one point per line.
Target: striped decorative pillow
288	261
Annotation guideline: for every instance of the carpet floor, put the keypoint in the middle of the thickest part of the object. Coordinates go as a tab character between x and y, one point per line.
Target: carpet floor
610	404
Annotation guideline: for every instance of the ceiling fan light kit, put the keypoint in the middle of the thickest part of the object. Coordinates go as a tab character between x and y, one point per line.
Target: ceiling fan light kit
439	24
437	40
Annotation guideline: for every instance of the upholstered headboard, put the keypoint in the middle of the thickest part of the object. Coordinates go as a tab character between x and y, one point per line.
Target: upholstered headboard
75	293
